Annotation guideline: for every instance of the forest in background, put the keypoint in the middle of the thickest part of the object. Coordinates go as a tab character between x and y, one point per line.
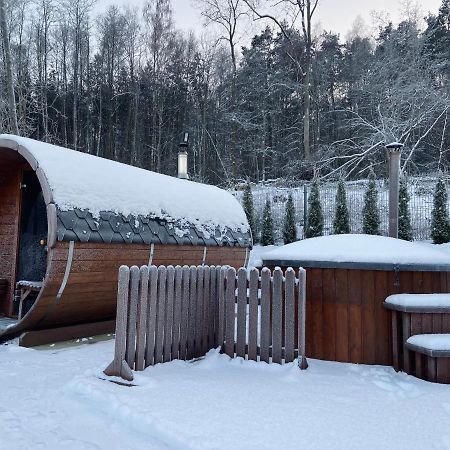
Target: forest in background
125	84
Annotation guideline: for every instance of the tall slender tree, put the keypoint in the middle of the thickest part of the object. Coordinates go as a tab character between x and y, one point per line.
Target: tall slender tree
247	204
267	237
440	225
341	223
404	215
371	213
314	225
289	226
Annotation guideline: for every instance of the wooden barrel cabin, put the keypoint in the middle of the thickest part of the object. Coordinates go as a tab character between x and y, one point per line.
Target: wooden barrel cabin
348	279
68	220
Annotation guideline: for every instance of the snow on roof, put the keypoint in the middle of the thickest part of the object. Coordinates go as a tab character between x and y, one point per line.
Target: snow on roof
87	182
437	342
359	248
420	300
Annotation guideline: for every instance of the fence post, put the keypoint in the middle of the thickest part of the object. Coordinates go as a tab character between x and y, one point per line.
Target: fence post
305	209
394	174
302	362
119	366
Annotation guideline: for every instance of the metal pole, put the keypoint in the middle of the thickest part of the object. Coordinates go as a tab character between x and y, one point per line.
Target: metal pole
394	187
305	209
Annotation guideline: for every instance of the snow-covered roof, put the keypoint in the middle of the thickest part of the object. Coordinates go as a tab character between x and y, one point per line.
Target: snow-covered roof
95	186
358	248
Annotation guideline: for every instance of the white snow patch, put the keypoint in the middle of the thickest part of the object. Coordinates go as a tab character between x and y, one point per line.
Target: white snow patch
360	248
87	182
420	300
257	255
55	399
431	341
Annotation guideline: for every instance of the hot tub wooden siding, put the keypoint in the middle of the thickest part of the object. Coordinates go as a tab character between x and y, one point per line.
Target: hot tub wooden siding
345	317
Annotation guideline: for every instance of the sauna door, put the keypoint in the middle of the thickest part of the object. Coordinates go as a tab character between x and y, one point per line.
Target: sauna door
32	258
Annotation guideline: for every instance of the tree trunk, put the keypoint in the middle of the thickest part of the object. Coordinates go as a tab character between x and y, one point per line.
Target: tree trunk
9	73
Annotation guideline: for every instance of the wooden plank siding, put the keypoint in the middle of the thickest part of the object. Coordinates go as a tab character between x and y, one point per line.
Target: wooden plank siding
90	294
346	320
11	168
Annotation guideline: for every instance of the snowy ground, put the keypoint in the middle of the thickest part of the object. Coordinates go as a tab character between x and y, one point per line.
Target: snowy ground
54	399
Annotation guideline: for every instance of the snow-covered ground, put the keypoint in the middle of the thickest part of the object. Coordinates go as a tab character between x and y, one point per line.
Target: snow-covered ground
57	398
54	399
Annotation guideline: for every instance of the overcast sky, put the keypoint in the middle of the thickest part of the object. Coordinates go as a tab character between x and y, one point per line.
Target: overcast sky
334	15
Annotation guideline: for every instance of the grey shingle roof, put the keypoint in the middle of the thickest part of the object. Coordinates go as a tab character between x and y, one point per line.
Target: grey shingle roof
80	225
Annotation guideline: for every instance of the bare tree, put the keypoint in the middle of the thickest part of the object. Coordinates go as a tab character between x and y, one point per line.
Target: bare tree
227	14
304	9
9	71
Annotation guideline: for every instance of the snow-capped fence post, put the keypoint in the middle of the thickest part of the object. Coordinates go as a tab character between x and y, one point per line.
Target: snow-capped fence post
119	366
302	362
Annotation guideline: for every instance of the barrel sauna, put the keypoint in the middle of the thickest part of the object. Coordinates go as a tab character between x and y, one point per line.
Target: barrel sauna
68	220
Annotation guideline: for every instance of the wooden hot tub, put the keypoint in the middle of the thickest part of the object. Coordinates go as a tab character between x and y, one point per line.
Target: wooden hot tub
345	317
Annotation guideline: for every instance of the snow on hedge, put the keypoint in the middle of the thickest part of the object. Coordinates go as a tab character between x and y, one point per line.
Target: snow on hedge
431	341
80	180
360	248
420	300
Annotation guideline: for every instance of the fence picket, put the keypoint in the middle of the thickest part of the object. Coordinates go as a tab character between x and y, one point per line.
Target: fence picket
241	312
199	312
132	316
169	314
119	367
151	316
289	315
265	315
184	326
230	311
161	313
192	313
221	309
277	315
253	315
302	362
142	319
177	313
213	307
206	308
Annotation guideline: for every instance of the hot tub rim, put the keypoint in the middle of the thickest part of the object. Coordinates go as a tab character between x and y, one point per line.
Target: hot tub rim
400	267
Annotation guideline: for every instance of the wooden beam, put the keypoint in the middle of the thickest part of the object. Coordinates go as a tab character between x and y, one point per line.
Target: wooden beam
52	335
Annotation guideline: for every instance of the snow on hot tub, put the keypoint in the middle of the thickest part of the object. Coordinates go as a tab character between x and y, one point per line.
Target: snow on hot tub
359	251
348	279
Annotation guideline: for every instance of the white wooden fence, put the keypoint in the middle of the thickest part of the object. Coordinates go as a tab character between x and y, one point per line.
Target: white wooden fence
167	313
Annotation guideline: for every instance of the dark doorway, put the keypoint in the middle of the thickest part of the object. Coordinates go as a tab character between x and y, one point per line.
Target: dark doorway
32	258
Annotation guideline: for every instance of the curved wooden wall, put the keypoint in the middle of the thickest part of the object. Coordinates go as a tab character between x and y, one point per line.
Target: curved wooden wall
91	291
11	165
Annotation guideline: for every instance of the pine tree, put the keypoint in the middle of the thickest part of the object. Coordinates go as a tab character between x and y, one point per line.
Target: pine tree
341	223
314	226
267	227
289	229
371	214
440	227
404	216
247	204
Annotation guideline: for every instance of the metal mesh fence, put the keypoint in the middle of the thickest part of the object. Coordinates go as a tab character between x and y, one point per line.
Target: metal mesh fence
421	204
